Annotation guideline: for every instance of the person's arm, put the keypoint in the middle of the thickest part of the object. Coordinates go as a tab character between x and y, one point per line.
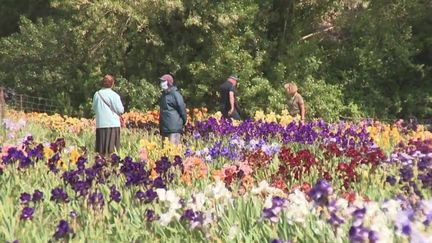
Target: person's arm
302	111
94	102
118	105
302	107
232	105
181	107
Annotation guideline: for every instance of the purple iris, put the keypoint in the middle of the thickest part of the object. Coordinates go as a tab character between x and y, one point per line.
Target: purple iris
406	229
428	219
128	159
178	161
37	196
271	213
37	152
188	152
140	195
135	172
188	215
426	179
306	134
358	234
81	163
159	183
162	165
196	135
321	191
115	158
150	215
391	180
150	195
82	187
25	198
198	220
406	173
90	174
214	151
240	174
27	140
96	199
359	213
335	220
62	230
280	241
59	195
114	194
278	201
52	163
27	213
373	236
24	162
13	153
70	177
58	145
225	151
194	218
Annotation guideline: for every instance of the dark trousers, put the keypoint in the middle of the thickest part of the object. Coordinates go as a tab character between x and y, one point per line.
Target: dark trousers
235	115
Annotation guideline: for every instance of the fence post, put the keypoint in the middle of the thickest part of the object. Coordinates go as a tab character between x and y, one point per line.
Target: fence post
21	102
2	111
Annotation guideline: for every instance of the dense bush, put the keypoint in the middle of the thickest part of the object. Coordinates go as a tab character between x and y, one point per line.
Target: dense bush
351	58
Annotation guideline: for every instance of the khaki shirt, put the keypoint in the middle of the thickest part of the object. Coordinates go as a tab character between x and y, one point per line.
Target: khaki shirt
294	104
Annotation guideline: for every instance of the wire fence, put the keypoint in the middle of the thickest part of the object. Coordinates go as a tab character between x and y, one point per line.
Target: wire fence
9	99
2	108
26	103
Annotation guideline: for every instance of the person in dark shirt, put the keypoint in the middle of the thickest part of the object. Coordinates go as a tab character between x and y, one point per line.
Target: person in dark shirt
228	104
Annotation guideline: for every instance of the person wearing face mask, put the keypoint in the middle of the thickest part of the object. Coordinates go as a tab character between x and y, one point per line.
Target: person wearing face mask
228	104
172	117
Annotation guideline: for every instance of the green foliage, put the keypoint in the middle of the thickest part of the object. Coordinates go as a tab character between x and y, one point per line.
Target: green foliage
322	100
11	10
142	95
375	58
260	94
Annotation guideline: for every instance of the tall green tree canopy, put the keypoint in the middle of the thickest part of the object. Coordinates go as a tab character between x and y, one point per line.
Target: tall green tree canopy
350	58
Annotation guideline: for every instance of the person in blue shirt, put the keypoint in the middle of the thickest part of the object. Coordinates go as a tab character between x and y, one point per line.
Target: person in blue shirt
172	117
108	108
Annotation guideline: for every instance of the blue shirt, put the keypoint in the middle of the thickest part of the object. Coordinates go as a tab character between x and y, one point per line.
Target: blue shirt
105	117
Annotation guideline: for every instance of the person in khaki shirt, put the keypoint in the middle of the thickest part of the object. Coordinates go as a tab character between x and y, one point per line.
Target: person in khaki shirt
295	101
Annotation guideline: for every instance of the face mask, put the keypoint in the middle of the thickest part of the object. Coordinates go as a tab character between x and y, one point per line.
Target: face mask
164	85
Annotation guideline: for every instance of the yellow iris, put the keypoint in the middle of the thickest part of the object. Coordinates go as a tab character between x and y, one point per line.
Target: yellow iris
48	152
74	155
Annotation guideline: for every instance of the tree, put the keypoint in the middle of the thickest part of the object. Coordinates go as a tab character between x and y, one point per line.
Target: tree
11	10
363	54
